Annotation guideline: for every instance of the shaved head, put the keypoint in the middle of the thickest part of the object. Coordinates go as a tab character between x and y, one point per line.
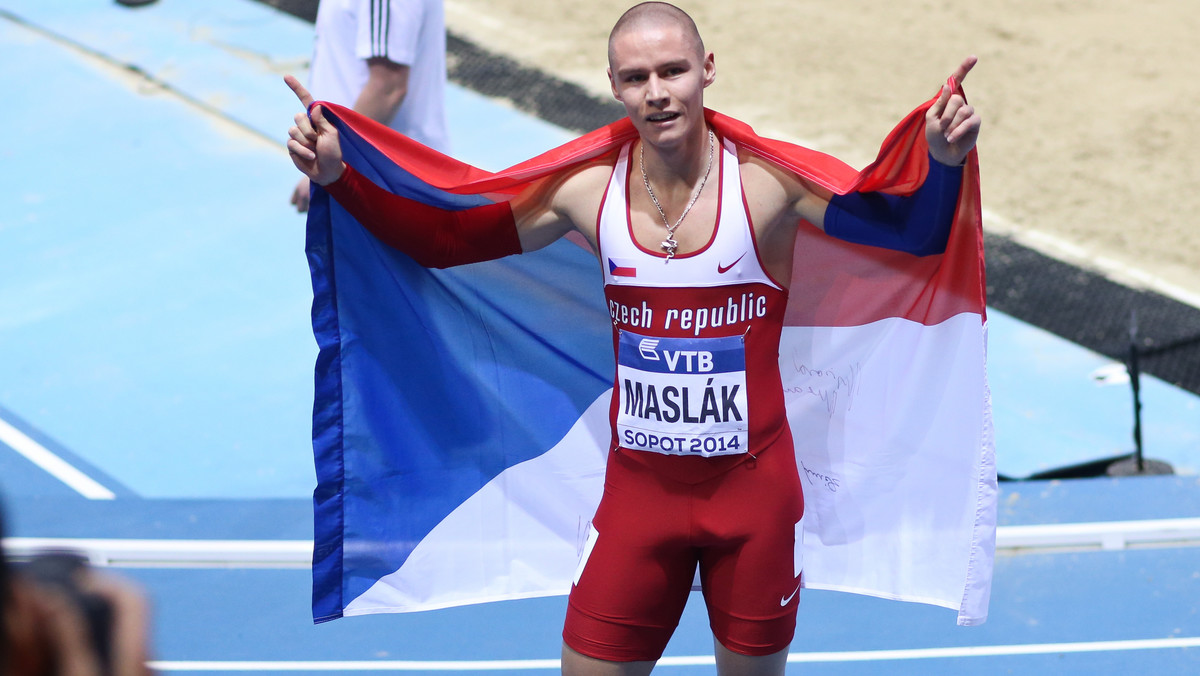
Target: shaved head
656	15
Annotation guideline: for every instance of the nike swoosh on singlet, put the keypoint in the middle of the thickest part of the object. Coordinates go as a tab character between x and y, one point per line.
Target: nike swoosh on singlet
722	269
788	599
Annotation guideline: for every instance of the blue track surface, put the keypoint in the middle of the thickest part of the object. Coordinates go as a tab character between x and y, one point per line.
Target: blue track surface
1088	598
154	303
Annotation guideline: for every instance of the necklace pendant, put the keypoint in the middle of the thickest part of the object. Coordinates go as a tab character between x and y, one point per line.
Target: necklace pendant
670	245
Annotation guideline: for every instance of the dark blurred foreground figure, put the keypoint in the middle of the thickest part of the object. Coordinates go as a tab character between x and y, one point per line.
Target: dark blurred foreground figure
61	618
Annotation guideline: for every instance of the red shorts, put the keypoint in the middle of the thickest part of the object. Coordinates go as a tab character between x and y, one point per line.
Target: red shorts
649	534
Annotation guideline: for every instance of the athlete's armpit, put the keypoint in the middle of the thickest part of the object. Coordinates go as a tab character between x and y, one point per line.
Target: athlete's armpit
778	198
558	204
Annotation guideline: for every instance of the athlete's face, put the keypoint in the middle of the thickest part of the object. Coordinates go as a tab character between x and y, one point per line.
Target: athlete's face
659	73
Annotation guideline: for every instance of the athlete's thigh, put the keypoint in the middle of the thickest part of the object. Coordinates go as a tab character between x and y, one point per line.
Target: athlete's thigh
751	574
636	570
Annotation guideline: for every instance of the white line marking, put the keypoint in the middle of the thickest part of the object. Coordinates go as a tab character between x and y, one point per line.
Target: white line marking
1059	248
1000	650
1107	535
382	665
250	553
1111	535
52	464
699	660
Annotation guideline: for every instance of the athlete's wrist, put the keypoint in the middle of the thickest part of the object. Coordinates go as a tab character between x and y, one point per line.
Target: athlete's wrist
341	173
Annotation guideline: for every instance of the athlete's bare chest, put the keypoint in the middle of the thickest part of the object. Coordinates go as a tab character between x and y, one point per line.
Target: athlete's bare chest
673	227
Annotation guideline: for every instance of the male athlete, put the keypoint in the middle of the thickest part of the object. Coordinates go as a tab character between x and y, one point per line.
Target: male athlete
701	468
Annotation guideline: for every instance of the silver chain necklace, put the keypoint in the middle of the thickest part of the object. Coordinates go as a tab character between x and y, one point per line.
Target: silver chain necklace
669	244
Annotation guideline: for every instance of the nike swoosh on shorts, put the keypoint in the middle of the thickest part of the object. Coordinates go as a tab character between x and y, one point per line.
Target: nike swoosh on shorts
788	599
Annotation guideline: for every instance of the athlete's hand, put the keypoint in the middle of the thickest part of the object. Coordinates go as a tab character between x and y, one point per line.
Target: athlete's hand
313	141
951	124
300	194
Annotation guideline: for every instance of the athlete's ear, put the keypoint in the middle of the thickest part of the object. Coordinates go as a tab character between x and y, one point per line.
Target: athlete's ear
710	68
613	83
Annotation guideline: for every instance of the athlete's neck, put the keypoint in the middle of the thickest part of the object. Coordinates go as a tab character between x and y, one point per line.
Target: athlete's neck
676	170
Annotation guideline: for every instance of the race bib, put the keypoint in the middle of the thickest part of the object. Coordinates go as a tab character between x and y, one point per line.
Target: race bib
682	396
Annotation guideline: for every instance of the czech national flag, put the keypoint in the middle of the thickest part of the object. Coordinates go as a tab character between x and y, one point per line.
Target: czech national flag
460	424
621	268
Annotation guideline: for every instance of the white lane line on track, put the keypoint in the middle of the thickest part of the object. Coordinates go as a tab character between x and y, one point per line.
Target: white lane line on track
144	553
1012	540
1059	248
700	660
52	464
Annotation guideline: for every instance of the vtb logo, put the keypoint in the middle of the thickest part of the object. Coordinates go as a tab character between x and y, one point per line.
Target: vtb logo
693	361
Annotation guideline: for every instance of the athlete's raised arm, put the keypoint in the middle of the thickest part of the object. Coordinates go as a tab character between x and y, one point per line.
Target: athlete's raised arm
559	203
434	237
918	223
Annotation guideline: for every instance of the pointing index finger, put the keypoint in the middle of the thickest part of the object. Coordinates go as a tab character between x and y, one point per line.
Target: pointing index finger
298	89
965	67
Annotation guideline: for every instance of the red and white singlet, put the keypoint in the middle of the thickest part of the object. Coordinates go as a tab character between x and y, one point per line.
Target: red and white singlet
696	336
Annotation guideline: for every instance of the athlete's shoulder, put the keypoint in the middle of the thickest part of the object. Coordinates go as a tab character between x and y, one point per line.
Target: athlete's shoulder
763	179
587	180
566	199
761	168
